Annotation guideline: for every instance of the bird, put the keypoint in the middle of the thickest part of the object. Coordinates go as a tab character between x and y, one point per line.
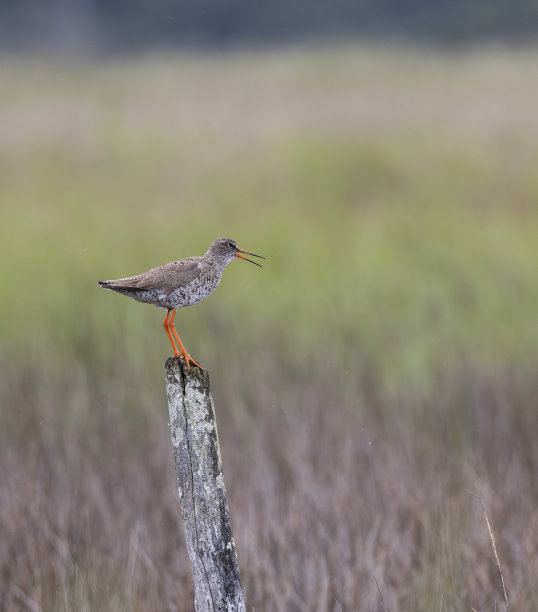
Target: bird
181	283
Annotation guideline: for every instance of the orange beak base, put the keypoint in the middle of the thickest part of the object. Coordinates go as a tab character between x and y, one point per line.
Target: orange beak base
251	254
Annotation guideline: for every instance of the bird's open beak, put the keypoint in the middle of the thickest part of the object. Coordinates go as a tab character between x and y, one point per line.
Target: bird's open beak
252	254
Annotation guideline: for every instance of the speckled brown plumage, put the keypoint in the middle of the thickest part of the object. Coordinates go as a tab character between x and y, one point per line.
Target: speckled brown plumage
180	283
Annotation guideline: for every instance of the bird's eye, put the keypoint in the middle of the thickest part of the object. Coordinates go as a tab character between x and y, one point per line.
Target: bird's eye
231	245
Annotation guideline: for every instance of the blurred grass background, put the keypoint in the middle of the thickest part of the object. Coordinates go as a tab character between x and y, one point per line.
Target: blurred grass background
393	327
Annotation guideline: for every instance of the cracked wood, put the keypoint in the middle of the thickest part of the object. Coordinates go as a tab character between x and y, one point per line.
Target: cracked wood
206	519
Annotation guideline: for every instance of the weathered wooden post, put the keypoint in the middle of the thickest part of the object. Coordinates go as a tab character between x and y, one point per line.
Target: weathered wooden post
202	495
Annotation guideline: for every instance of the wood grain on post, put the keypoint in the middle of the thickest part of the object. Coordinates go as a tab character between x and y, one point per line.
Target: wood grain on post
202	494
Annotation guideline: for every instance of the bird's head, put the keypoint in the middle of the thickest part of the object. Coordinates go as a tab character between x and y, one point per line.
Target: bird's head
226	250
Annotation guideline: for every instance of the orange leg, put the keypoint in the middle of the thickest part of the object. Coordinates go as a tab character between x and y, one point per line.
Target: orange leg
166	326
186	355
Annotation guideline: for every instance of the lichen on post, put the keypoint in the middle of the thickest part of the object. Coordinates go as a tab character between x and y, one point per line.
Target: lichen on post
202	495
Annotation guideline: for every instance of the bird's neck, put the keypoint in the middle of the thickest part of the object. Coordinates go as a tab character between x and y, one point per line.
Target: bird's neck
217	264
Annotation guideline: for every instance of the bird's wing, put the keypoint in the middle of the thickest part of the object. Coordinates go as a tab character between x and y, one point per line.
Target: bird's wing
163	278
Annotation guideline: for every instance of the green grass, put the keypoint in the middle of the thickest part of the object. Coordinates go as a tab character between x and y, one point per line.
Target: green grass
393	194
416	243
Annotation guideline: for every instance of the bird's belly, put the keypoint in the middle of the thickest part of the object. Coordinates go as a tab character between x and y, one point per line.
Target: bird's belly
191	294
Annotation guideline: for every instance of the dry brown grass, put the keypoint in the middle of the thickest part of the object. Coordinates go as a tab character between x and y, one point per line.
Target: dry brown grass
333	500
494	548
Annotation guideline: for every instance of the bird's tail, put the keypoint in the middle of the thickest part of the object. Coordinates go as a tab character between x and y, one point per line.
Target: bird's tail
121	285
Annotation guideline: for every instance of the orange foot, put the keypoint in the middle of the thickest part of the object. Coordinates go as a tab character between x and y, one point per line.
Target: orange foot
188	359
171	330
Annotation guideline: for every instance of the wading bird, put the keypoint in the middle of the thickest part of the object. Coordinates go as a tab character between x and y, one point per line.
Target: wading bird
181	283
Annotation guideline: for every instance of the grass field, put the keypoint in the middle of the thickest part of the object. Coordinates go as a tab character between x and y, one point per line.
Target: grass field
382	362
